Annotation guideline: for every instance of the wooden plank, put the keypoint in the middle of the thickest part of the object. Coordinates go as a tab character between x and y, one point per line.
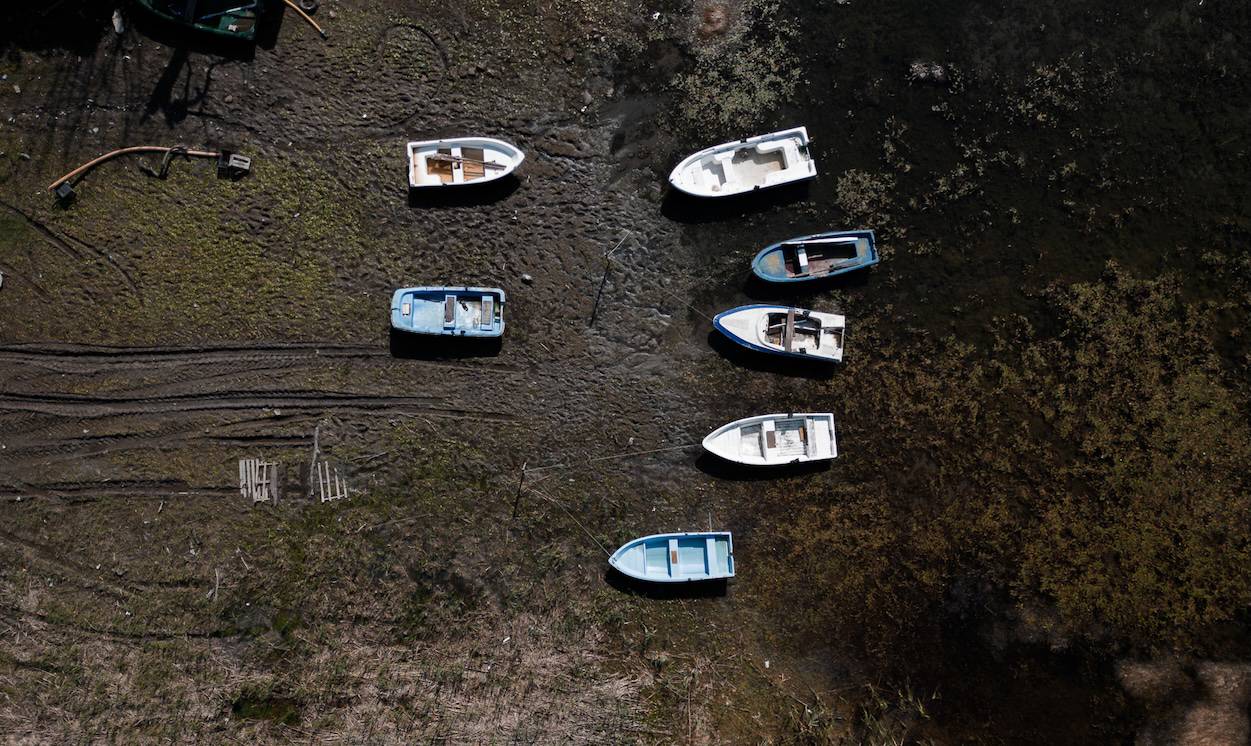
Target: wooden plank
788	336
488	311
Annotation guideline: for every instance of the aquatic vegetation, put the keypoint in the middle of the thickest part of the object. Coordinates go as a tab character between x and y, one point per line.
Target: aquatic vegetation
1095	467
740	75
866	198
1144	528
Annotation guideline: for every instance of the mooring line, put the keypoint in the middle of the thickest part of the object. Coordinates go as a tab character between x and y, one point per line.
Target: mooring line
574	518
666	292
627	454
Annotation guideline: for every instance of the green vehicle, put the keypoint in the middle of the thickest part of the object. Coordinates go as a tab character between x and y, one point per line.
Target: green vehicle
232	19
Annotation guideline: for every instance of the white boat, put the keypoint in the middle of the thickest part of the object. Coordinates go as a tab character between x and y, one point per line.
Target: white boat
781	330
773	439
460	160
746	165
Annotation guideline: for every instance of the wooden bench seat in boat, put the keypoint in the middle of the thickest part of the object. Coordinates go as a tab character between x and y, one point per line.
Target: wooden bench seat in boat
488	312
449	310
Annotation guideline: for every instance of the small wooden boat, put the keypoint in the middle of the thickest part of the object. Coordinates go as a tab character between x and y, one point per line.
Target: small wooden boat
232	19
774	439
782	330
677	558
447	311
460	161
746	165
817	256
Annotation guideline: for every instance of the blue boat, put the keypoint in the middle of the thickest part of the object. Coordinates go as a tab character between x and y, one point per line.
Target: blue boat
817	256
449	311
677	558
782	330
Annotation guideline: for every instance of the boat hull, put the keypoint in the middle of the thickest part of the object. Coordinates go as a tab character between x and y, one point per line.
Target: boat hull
677	558
449	311
746	165
780	262
775	439
742	325
460	161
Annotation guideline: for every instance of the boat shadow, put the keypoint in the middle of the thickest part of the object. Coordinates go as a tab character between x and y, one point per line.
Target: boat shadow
666	591
767	363
718	468
406	346
465	195
684	208
796	292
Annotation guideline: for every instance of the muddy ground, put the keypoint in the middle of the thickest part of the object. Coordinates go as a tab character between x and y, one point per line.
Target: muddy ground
1037	529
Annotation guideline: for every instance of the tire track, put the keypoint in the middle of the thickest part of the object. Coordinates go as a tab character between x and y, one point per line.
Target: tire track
91	491
116	634
89	358
63	241
51	451
88	407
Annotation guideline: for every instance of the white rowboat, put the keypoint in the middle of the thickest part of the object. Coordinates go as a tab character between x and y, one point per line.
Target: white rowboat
774	439
460	161
746	165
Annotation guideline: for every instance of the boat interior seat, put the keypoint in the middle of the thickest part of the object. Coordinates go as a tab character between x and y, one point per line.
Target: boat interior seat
801	260
488	312
449	310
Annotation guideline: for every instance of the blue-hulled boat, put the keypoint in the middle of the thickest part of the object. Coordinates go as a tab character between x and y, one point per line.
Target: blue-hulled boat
817	256
782	330
677	558
448	311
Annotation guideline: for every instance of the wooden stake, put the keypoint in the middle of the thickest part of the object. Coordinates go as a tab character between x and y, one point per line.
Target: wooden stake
520	486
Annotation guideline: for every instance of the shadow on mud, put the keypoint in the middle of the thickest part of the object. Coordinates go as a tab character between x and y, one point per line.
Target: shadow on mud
683	208
719	468
766	363
464	196
186	40
75	27
407	346
797	293
665	591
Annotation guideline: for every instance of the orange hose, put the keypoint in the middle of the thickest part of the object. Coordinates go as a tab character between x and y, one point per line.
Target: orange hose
134	149
306	17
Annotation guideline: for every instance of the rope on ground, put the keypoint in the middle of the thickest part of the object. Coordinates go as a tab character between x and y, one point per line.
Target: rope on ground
612	456
573	518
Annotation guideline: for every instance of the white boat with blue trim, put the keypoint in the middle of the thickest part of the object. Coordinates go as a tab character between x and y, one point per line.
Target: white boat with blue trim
775	439
677	558
782	330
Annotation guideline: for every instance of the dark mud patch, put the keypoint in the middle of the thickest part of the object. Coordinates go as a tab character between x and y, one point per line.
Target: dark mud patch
719	468
260	705
665	591
684	208
762	362
405	346
473	195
